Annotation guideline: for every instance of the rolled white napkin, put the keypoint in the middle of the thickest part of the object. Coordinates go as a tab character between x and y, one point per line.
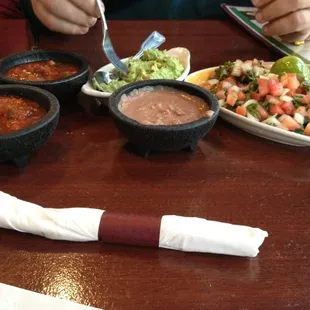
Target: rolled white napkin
74	224
170	231
191	234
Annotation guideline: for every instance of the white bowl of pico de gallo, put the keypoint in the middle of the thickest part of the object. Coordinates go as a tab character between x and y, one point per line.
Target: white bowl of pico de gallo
252	98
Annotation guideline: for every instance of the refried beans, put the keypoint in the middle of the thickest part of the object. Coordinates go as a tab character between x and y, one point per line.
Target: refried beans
163	106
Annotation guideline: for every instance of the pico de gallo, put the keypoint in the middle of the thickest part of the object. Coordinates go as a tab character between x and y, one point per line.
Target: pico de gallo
250	90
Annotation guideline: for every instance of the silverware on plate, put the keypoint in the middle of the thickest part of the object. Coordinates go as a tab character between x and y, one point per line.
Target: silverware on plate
154	40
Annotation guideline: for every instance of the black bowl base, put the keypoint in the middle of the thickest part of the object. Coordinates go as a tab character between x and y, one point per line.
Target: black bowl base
144	153
21	162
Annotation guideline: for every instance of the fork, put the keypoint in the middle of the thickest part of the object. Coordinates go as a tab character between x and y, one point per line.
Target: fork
107	43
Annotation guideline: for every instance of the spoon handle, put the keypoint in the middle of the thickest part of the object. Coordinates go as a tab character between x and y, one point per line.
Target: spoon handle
154	40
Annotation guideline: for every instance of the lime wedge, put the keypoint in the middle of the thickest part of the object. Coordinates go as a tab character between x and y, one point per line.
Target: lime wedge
291	64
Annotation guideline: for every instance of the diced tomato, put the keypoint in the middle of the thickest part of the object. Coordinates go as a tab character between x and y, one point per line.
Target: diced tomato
288	107
263	86
292	82
241	96
220	94
307	130
232	97
290	123
272	100
241	111
302	111
231	80
255	96
275	88
276	109
262	113
306	99
284	80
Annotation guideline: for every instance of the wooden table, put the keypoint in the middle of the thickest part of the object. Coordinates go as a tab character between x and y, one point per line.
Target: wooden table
232	177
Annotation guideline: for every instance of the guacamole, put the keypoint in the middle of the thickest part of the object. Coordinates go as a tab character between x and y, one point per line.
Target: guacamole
154	64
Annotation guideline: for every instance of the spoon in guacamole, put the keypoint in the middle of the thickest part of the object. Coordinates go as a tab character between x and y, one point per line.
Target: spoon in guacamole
154	40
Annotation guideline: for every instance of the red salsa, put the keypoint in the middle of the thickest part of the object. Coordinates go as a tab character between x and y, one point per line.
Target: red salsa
17	113
42	71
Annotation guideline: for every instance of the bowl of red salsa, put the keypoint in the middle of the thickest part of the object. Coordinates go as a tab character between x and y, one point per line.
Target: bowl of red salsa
28	117
59	72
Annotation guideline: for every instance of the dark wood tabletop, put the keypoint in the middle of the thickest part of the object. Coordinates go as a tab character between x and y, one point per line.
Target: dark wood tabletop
232	177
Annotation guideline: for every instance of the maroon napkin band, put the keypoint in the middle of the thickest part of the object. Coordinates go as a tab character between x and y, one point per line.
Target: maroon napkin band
129	229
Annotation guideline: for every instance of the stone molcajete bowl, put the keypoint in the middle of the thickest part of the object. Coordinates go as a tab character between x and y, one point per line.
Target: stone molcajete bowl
18	146
66	89
146	138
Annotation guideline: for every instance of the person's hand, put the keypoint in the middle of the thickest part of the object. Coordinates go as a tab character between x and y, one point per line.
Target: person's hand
289	19
66	16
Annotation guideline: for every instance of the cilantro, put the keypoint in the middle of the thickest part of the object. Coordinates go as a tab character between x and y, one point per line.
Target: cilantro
213	89
248	96
307	121
296	104
300	131
221	73
266	105
253	109
228	65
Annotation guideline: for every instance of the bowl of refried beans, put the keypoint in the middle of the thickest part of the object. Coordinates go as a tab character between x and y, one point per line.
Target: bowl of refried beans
163	115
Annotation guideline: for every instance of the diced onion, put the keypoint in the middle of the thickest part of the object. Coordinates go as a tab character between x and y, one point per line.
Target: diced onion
222	102
285	91
272	76
299	118
235	88
253	118
247	66
236	71
213	81
272	120
247	103
244	88
282	117
286	98
226	84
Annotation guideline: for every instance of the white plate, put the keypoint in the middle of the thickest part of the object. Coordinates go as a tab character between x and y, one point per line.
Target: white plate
256	128
181	53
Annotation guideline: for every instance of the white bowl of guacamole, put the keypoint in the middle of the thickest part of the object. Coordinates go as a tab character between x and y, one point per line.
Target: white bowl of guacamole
173	64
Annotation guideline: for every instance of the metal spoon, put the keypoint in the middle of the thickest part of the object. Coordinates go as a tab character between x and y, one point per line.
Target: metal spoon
154	40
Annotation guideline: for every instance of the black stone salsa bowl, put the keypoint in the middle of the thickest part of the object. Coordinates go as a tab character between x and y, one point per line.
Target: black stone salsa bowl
19	145
161	138
66	89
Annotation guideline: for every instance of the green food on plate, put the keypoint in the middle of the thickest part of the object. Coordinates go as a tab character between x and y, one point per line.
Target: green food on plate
154	64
